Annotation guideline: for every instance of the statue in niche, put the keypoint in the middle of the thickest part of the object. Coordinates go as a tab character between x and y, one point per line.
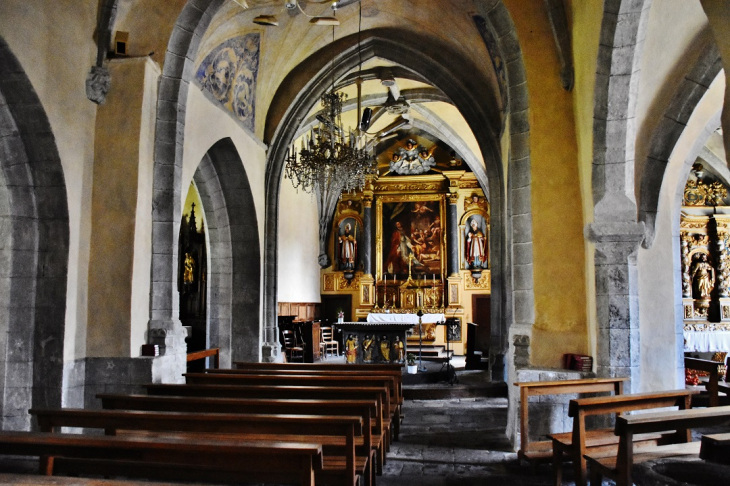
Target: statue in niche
189	272
476	244
351	349
703	278
348	248
385	349
367	349
399	350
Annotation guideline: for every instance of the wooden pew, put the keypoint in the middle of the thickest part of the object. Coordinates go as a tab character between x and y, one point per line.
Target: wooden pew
390	402
541	451
396	384
338	433
366	409
379	394
577	443
618	466
711	367
169	459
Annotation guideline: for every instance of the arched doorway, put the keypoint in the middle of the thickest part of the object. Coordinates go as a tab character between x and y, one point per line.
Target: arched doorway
34	241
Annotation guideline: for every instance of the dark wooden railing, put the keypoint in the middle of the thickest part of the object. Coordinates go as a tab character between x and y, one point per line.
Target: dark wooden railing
214	352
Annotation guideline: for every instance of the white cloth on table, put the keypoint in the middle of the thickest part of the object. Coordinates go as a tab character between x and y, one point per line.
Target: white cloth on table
407	318
706	341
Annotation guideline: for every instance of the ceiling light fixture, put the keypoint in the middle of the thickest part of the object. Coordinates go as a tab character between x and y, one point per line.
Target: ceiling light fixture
266	20
330	161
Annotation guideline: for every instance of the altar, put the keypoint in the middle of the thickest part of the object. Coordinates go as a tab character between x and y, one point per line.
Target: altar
375	342
428	322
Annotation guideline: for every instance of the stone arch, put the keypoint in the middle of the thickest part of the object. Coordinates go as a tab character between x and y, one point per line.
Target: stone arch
233	237
34	240
690	91
185	39
301	90
615	230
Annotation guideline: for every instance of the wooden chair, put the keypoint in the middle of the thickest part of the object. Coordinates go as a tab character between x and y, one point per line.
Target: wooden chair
291	349
328	343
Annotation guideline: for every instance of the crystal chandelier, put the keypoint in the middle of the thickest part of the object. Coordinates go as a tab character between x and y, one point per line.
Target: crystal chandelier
329	158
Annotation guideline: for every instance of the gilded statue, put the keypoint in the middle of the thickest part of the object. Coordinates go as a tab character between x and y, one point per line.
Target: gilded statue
385	349
188	275
367	349
400	349
703	277
351	349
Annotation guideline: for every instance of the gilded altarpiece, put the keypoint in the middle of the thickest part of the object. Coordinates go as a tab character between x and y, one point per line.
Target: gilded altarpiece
410	249
705	253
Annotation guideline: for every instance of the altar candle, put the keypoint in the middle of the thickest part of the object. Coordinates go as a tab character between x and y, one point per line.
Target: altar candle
434	280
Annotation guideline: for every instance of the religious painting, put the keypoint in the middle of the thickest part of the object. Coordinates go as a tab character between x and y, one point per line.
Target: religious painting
475	254
228	75
411	234
347	244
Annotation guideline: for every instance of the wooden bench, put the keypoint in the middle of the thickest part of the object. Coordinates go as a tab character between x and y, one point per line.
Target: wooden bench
390	402
711	367
396	390
575	444
541	451
381	421
715	448
169	459
336	434
618	466
366	409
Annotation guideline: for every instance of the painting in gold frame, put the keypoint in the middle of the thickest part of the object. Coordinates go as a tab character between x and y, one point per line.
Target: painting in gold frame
411	224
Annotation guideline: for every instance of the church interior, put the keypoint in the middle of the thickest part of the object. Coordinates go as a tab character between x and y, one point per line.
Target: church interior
535	189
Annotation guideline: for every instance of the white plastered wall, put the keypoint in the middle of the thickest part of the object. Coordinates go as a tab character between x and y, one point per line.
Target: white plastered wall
660	313
56	50
298	235
206	124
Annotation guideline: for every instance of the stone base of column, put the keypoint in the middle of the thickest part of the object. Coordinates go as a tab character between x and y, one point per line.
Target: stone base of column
271	353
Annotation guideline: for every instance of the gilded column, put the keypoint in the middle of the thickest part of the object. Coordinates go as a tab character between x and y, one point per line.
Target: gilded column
367	234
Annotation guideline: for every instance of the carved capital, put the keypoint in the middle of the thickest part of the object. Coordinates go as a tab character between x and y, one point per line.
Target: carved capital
98	82
453	198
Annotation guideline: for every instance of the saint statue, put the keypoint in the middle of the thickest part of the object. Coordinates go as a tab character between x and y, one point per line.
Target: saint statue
385	349
188	275
367	349
348	249
400	349
703	277
351	349
476	245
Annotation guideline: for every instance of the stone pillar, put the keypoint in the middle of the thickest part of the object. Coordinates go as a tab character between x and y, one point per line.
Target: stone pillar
453	232
367	232
617	299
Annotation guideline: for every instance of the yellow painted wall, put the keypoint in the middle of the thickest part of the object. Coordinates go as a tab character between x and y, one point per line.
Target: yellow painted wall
557	215
585	17
114	210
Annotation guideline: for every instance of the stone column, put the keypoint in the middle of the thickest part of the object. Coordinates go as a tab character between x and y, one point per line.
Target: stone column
617	299
453	232
367	234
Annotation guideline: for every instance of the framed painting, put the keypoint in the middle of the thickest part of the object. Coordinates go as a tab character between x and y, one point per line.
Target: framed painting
348	236
411	231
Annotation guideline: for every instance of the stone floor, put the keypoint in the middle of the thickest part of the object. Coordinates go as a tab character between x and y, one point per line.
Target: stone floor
457	441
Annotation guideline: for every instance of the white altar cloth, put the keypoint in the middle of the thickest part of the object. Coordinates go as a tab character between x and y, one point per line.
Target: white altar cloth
407	318
706	341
